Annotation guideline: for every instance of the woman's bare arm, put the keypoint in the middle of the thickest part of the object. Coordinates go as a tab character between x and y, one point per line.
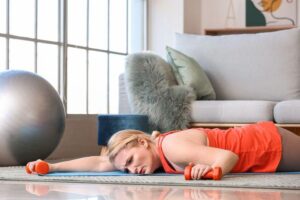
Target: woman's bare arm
183	151
91	163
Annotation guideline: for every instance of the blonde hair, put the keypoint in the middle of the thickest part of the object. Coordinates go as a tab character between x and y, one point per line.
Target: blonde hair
127	138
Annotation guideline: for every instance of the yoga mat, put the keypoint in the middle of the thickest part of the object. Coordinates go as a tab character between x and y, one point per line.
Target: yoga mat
113	173
248	180
119	173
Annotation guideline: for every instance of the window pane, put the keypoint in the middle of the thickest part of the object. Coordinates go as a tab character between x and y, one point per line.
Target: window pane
48	20
77	13
136	18
97	82
2	54
98	24
21	55
2	16
118	30
117	67
76	81
47	63
22	17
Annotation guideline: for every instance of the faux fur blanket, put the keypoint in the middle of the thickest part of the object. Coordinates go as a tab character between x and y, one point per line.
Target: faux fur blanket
152	90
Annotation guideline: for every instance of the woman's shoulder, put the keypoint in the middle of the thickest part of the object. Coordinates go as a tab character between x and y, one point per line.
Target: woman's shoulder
187	135
178	146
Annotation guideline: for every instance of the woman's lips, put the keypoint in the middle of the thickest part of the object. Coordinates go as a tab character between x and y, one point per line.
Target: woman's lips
142	171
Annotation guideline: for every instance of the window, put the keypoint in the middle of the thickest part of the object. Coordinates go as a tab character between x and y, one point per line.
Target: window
79	46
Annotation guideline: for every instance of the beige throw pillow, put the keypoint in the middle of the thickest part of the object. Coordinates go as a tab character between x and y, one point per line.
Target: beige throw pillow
188	72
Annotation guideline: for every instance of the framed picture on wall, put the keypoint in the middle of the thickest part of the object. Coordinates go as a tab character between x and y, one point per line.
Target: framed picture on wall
271	12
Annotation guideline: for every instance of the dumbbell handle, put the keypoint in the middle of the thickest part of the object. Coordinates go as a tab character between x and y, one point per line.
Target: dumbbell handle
215	173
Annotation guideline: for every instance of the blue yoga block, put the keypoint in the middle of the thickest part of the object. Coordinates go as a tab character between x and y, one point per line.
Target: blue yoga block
110	124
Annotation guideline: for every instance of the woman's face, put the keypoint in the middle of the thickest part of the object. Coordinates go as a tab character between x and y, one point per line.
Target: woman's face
139	159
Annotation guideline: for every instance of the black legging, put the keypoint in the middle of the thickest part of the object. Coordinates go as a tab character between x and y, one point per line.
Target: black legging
290	160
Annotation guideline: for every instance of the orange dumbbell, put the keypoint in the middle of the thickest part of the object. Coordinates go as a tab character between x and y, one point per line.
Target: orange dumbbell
215	173
40	167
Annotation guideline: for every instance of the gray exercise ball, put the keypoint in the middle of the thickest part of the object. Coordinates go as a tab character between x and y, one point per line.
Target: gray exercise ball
32	117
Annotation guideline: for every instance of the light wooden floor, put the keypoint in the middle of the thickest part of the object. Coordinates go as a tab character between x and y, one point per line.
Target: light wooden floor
66	191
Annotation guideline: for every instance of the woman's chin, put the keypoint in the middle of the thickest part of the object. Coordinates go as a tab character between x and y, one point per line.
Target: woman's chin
149	171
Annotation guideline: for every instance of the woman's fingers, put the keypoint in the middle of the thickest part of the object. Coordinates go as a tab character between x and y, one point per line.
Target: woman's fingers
28	168
198	171
207	170
31	166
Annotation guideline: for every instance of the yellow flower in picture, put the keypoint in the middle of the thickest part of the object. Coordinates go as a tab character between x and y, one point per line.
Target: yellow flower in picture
270	5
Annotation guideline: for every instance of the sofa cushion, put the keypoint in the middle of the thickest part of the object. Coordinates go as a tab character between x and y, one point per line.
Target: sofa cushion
263	66
188	72
232	111
287	112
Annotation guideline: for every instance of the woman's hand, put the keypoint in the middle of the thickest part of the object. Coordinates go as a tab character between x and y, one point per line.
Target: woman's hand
37	167
199	170
30	167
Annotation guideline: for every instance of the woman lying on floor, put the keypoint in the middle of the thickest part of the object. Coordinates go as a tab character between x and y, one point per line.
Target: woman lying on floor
260	147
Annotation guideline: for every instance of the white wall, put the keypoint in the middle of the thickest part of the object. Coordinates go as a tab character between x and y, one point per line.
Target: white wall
192	16
165	18
298	17
215	14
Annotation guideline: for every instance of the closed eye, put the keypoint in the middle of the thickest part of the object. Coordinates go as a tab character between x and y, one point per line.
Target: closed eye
129	161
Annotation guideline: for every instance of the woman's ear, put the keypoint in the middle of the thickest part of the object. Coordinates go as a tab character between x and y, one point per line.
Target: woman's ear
143	142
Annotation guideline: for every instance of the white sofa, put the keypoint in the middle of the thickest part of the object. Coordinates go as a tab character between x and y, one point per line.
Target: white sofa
255	76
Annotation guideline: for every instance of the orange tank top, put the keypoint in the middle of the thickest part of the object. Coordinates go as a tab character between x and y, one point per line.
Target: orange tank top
257	145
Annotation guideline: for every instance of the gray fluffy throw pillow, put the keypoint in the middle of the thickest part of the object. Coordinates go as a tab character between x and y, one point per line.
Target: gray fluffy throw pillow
152	90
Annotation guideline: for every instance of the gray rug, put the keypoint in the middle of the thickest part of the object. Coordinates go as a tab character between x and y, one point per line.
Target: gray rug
271	181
